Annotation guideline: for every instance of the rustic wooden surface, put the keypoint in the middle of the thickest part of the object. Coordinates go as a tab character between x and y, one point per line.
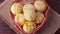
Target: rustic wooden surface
53	20
4	28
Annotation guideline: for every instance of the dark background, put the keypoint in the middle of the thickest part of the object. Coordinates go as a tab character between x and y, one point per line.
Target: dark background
55	4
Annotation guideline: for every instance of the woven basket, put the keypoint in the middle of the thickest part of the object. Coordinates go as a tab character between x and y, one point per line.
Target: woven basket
19	29
16	27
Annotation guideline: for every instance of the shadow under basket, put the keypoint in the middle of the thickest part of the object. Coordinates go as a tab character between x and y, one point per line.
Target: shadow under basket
38	26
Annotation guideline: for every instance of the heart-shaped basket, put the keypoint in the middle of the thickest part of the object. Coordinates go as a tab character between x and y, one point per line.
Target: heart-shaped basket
39	25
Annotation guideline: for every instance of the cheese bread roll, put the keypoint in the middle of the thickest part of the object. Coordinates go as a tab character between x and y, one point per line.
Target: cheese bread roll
40	6
29	27
29	12
16	8
20	19
39	18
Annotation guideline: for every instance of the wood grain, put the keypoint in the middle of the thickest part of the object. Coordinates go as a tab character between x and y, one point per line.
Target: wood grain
52	25
4	28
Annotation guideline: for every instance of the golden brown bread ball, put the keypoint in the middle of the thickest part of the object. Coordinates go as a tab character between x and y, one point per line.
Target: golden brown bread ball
40	6
29	27
19	18
39	17
16	8
29	12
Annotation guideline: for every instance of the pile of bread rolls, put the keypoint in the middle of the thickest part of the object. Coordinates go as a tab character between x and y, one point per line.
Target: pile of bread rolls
29	15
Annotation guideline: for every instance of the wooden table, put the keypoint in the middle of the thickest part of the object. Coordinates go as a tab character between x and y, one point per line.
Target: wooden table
4	28
50	27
